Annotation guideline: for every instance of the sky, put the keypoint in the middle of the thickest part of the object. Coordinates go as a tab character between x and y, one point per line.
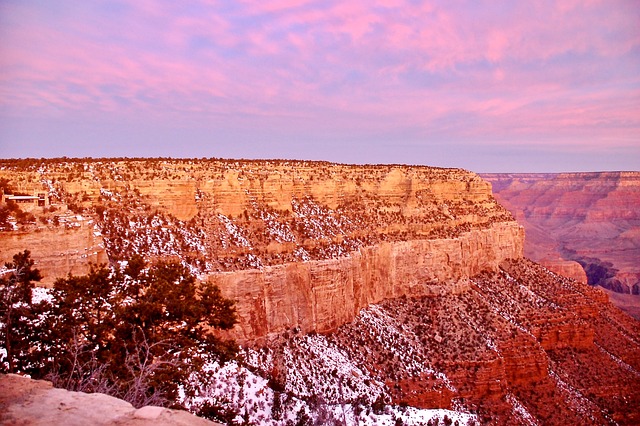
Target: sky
486	85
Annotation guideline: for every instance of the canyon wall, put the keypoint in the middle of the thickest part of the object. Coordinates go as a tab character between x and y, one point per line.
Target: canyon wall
322	295
574	221
296	244
58	251
521	345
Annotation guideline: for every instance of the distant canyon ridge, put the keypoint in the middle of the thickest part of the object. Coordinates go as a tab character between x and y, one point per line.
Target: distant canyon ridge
584	225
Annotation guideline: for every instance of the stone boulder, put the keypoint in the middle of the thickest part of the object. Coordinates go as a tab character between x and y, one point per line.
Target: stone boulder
36	402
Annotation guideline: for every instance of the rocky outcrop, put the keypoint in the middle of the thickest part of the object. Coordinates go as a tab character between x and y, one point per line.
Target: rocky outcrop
518	346
37	403
568	268
59	251
297	244
322	295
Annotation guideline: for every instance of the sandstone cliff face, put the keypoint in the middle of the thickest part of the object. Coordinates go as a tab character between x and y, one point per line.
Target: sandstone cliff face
518	346
568	268
321	295
297	244
59	251
590	218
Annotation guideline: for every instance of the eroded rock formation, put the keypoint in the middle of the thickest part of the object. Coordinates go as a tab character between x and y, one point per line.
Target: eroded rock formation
589	220
320	295
518	346
60	250
297	244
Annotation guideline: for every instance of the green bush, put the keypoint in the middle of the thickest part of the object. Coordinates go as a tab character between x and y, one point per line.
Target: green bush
137	333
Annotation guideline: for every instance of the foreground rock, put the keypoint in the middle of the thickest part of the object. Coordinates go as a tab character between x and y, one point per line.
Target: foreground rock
35	402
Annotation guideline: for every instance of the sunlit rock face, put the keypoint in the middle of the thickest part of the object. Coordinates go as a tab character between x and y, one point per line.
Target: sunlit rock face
320	295
521	345
303	244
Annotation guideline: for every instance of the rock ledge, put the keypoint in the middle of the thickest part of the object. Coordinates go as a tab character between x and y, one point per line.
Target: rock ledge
36	402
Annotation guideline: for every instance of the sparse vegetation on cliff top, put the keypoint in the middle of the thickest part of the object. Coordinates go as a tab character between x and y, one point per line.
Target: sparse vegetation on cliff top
224	215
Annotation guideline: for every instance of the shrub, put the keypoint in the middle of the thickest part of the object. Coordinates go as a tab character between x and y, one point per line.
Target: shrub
136	334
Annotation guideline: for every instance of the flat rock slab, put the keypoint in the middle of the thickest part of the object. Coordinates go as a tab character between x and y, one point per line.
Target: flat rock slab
26	402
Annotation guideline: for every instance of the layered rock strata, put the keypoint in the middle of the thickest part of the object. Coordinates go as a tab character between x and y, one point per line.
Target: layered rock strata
582	225
297	244
322	295
59	251
519	346
590	218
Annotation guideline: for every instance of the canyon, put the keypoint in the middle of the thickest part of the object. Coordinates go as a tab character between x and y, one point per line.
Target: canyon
320	295
519	346
355	285
584	225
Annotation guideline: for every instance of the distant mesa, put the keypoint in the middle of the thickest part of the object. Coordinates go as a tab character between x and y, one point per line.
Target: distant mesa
285	228
590	220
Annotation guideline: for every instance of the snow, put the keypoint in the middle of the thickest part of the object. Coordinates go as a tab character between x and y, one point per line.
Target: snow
254	261
39	294
397	341
153	235
573	397
618	361
249	395
234	232
319	222
521	411
416	416
328	369
5	271
278	230
302	254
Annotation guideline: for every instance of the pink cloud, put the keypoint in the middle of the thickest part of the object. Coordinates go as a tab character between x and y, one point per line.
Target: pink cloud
530	69
275	5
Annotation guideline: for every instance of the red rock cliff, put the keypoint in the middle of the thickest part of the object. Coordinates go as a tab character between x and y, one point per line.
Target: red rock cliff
322	295
295	243
574	221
